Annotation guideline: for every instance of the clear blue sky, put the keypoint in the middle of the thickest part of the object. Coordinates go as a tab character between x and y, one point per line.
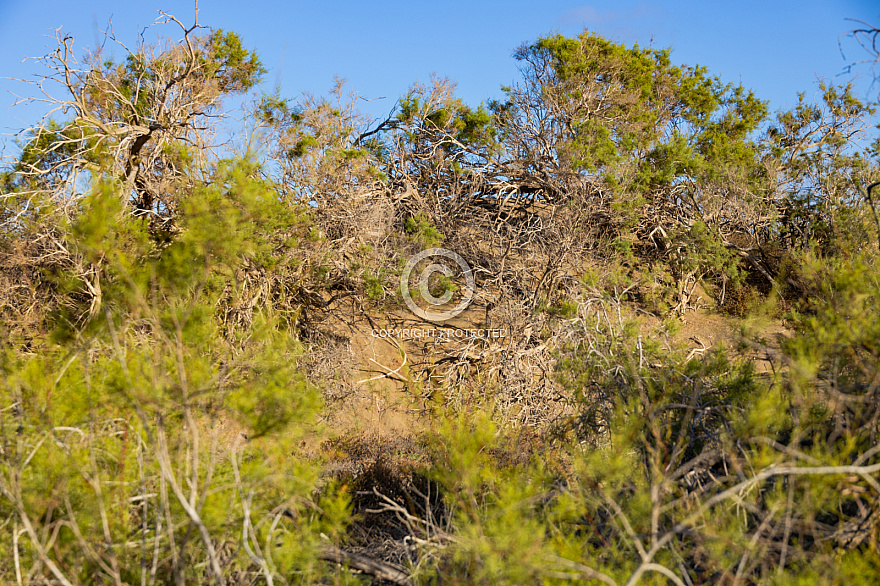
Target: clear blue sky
776	48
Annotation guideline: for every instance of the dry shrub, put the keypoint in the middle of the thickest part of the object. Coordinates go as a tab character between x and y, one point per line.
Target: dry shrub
329	363
390	494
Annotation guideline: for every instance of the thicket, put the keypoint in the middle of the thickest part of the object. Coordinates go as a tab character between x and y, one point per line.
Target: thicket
168	294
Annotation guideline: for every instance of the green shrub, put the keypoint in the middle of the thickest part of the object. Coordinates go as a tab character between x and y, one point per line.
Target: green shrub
420	229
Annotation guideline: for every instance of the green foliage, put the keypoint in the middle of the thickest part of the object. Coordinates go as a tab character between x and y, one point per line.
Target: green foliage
673	120
420	229
301	147
152	423
374	284
838	321
498	537
235	68
671	154
441	285
563	308
653	497
466	124
822	174
162	427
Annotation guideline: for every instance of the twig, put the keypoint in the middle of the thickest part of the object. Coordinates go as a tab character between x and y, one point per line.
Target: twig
381	570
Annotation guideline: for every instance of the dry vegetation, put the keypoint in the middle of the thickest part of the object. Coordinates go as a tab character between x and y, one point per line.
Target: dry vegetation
687	388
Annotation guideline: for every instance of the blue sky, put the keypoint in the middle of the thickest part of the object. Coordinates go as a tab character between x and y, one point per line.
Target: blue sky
776	48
